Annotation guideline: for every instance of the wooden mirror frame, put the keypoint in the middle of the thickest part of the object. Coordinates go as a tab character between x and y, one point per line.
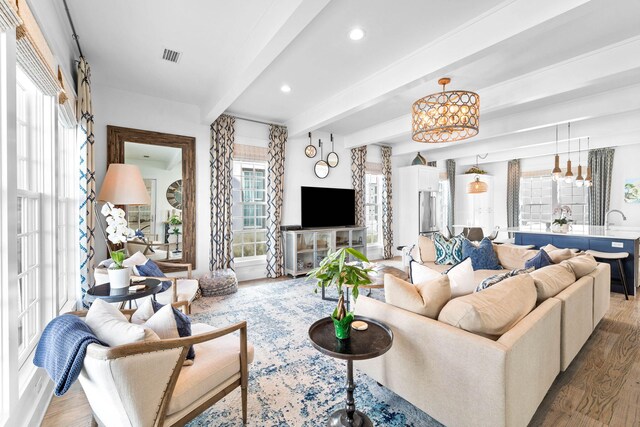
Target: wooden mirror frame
116	138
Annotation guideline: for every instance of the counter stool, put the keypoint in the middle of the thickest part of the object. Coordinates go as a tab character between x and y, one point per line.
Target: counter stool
614	256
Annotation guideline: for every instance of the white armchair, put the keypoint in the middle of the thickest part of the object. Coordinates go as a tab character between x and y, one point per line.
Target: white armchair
145	384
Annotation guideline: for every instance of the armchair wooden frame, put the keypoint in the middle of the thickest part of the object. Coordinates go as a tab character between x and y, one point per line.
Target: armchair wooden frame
112	353
173	280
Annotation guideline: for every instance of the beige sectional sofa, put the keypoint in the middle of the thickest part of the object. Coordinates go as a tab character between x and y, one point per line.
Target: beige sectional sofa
467	379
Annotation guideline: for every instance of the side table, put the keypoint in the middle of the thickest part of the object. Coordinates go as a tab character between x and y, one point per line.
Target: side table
123	295
361	345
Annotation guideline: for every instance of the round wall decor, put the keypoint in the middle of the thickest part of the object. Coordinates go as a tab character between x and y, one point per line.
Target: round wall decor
332	157
310	150
321	169
174	194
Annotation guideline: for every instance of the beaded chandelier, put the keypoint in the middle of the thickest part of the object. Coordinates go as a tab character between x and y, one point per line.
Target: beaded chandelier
446	116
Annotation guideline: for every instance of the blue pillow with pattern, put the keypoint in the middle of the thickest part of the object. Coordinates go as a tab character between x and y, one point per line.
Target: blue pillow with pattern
483	257
492	280
448	251
151	269
541	259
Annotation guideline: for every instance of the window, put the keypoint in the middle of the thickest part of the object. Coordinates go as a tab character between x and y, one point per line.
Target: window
373	208
67	203
540	197
249	209
34	114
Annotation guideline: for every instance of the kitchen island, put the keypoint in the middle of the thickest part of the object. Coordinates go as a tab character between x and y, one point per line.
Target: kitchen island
596	238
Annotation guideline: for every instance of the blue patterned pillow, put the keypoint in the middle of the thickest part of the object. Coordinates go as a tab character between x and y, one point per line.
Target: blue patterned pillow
448	251
151	269
483	257
542	259
497	278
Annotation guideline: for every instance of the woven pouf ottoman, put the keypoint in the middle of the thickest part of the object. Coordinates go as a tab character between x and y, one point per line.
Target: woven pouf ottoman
218	283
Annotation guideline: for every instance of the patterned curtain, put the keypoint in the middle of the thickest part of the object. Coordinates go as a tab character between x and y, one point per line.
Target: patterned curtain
220	158
275	189
513	193
601	163
451	176
87	220
358	161
387	211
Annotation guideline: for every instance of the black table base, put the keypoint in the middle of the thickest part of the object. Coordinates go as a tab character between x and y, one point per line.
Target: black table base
349	417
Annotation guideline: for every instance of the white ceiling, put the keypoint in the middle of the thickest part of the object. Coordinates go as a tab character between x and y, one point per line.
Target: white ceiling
153	155
534	64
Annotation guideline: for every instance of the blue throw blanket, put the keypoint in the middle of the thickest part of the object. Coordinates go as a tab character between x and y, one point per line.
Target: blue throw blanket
62	348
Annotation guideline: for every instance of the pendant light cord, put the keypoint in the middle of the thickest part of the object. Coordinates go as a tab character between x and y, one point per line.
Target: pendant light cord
569	140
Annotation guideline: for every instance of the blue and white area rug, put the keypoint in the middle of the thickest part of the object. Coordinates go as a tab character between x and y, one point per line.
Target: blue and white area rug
290	382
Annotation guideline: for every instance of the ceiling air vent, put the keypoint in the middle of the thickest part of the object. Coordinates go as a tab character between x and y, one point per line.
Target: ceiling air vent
171	55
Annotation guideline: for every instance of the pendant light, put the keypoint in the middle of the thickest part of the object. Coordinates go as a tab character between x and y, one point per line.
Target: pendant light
450	115
476	186
568	177
579	178
556	173
588	180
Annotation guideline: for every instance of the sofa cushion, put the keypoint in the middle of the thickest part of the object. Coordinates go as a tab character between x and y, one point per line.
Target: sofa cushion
558	255
437	267
539	261
112	327
513	257
425	298
497	278
461	278
581	264
495	310
448	251
419	273
427	249
552	280
482	256
218	361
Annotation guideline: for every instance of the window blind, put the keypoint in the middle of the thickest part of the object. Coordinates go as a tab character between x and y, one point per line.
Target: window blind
250	153
9	17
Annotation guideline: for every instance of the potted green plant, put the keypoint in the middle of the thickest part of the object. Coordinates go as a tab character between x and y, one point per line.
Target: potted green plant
334	270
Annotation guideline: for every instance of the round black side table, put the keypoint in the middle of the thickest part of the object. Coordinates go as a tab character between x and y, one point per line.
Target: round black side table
104	292
361	345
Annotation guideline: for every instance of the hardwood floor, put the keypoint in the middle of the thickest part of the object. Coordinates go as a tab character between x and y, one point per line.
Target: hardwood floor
601	387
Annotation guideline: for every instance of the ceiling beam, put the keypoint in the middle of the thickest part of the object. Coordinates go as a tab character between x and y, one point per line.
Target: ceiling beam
577	73
500	23
278	28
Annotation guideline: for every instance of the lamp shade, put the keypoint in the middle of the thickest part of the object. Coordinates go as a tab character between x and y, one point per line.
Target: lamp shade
476	186
123	185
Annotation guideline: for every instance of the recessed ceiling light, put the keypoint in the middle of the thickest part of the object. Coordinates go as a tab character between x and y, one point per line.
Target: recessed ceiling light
356	34
285	88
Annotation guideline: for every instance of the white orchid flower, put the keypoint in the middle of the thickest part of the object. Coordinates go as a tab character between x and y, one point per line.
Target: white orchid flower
106	209
117	213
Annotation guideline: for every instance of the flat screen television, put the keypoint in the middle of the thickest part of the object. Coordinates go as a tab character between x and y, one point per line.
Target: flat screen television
328	207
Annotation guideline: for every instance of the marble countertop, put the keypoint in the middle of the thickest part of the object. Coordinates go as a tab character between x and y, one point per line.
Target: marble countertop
587	231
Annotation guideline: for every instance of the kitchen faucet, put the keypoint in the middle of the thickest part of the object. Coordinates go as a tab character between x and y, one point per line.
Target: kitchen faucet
606	217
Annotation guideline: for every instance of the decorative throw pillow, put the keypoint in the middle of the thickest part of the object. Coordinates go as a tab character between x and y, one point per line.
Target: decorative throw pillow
151	269
581	264
539	261
427	249
482	256
557	255
497	278
425	298
448	251
419	273
112	327
166	321
461	278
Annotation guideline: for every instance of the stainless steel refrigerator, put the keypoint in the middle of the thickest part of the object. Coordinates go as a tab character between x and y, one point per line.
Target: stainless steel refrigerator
429	203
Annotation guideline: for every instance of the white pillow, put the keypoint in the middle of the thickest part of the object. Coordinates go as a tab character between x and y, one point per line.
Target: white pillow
162	322
461	279
136	259
421	273
112	327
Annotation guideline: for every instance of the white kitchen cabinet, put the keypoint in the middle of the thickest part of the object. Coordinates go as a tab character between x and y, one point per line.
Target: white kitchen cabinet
474	210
